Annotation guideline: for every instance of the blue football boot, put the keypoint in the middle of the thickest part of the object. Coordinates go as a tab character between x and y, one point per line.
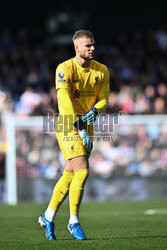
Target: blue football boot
49	227
76	231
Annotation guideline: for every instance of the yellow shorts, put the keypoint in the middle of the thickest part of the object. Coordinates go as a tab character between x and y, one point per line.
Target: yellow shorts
71	144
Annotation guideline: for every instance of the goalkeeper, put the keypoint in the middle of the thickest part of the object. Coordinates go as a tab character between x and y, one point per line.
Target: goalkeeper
82	86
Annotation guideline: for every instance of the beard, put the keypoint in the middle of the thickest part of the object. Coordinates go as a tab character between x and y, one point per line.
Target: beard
88	57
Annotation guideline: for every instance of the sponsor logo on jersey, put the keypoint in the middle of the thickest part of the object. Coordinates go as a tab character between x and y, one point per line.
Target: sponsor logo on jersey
77	93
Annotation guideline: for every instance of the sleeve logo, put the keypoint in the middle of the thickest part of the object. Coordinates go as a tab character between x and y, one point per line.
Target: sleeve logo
61	74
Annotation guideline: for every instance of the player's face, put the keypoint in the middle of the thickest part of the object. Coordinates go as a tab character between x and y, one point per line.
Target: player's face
86	48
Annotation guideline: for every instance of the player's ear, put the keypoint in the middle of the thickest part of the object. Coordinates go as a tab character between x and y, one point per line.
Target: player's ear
76	44
77	49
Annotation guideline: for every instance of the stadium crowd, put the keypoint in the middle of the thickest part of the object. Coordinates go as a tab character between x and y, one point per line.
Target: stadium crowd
139	150
137	65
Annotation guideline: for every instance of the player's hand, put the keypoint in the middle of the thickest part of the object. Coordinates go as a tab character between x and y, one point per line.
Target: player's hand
87	141
90	116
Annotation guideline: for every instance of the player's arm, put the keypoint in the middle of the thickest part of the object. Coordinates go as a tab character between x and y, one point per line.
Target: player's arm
102	100
66	106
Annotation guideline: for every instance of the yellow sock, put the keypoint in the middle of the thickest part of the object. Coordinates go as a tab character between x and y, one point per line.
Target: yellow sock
61	190
77	189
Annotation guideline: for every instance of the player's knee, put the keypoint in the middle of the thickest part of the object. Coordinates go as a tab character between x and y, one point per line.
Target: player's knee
81	176
80	162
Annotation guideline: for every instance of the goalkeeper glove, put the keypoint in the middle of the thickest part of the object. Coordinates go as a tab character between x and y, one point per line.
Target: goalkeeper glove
90	116
87	141
86	138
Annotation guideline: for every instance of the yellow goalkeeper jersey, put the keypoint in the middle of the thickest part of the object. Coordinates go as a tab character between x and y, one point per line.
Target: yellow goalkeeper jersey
88	86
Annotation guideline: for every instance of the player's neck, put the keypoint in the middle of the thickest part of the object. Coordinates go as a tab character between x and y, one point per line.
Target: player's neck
82	62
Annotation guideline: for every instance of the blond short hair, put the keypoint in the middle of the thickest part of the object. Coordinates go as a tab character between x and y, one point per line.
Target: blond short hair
82	33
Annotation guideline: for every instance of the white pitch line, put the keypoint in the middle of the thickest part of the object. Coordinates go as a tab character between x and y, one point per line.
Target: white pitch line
155	211
150	211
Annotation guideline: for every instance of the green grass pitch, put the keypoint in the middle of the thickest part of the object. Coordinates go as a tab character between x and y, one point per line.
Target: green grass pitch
109	225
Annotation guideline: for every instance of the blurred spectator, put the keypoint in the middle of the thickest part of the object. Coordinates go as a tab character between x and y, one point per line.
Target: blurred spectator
112	106
159	106
29	100
161	37
125	100
162	90
142	104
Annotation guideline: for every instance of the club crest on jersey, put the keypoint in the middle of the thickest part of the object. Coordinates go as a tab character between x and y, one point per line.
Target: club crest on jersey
96	79
61	74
